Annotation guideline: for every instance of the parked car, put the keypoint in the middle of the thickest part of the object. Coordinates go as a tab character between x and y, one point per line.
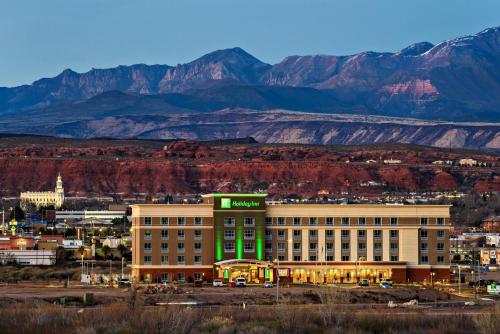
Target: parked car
217	283
240	282
387	281
385	285
124	283
268	284
364	282
198	284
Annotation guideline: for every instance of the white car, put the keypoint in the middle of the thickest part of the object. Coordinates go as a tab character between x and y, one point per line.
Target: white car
240	282
218	283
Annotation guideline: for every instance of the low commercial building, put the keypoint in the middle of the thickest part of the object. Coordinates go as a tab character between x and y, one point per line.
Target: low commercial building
240	235
84	214
40	257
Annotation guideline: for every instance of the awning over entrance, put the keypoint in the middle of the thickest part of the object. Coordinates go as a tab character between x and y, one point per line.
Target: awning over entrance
254	271
243	262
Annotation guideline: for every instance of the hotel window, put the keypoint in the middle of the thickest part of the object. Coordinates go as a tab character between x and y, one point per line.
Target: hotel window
440	259
181	247
296	246
281	234
181	277
329	220
180	234
329	247
423	247
249	247
197	260
394	246
313	221
197	276
424	259
423	221
361	221
329	258
313	234
229	247
312	257
377	234
180	259
281	257
440	247
440	221
164	234
229	221
329	234
164	220
197	234
394	258
248	234
268	247
164	259
197	247
269	235
297	221
181	221
345	257
281	220
147	259
423	234
249	221
269	221
164	278
440	234
229	234
197	220
147	235
362	234
345	246
362	246
394	221
378	221
147	247
164	247
377	246
281	247
377	258
296	258
394	234
147	220
296	235
345	234
313	246
345	220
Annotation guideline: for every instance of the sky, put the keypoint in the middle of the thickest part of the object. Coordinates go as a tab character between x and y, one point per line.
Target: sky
40	38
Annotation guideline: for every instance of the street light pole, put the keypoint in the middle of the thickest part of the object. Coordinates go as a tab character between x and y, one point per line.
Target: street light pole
459	282
277	280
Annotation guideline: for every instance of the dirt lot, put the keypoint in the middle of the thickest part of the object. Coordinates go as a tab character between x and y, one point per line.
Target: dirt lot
27	292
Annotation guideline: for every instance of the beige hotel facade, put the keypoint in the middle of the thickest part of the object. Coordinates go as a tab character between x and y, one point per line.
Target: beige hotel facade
234	235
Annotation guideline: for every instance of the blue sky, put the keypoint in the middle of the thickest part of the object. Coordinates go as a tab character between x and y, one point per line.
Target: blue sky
40	38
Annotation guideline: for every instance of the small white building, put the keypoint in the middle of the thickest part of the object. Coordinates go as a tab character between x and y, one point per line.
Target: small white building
467	162
72	244
112	242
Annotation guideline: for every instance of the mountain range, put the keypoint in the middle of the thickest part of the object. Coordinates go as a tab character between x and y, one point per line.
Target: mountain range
454	81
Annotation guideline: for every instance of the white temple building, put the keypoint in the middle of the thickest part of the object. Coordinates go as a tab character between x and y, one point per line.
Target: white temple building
45	198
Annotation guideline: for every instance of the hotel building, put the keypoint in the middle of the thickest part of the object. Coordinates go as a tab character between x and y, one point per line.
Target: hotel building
233	235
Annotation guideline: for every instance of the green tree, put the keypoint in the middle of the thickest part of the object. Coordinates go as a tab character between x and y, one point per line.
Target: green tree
106	251
122	249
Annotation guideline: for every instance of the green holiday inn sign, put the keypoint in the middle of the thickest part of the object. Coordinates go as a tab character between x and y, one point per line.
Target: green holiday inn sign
227	203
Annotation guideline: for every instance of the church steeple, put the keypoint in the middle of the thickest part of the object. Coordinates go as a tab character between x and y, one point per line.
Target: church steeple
59	184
